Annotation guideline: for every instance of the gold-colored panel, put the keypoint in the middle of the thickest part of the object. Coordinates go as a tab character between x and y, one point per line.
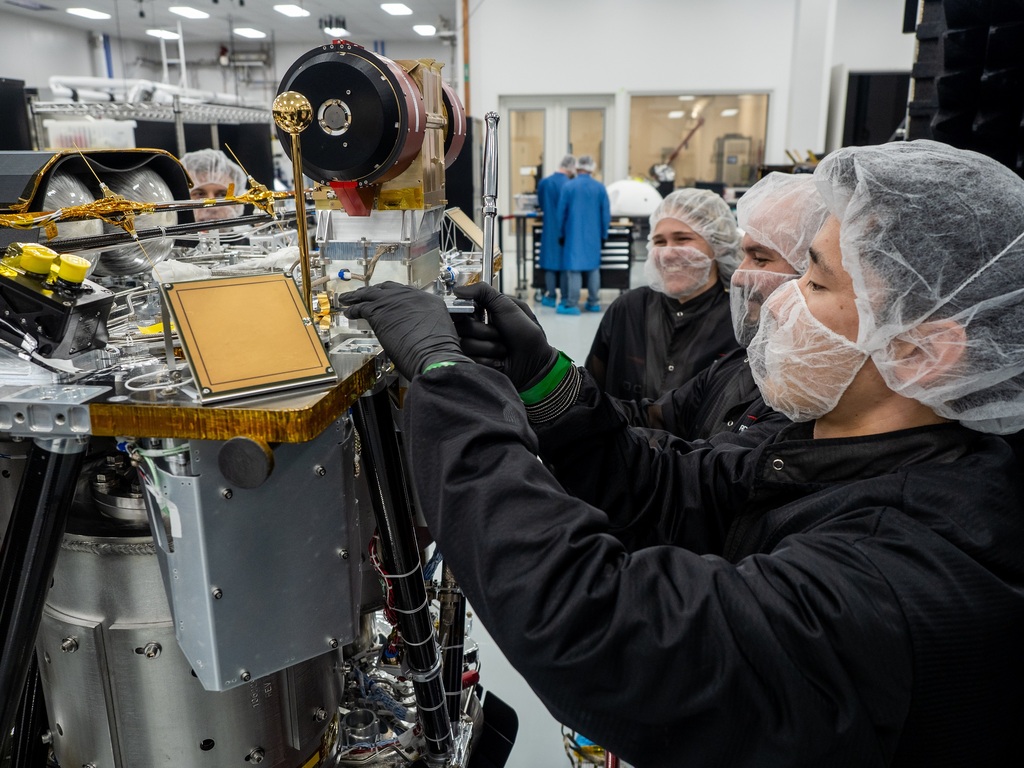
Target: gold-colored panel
291	417
246	335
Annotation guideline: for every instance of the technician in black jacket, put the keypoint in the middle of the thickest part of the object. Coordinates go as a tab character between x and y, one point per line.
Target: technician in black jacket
655	338
848	593
779	217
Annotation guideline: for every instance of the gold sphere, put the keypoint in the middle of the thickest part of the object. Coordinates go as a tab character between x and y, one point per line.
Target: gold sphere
292	112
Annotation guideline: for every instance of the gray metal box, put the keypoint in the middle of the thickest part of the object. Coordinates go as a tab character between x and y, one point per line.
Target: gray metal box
260	579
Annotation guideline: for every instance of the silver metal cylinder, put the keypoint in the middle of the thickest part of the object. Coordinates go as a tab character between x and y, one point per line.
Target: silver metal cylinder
490	198
119	692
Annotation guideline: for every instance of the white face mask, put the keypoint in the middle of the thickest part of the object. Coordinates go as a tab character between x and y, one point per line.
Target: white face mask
749	288
678	271
801	367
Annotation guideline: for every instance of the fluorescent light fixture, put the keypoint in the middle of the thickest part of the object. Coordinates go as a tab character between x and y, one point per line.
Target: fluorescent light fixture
335	31
730	112
427	30
163	34
188	12
687	98
676	114
249	32
396	9
295	11
89	13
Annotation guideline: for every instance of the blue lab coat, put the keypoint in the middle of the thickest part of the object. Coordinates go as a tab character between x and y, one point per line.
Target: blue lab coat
584	215
549	191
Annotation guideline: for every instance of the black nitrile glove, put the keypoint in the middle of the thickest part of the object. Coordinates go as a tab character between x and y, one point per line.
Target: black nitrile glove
413	326
512	342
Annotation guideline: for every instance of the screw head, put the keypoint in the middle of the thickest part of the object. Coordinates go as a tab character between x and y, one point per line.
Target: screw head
69	645
152	650
218	593
320	715
227	493
320	470
257	755
333	642
246	677
343	554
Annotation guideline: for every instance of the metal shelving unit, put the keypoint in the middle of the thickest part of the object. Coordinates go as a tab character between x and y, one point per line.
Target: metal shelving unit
174	112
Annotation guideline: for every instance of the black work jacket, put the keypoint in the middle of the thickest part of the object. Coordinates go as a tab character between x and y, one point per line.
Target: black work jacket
848	602
650	343
721	398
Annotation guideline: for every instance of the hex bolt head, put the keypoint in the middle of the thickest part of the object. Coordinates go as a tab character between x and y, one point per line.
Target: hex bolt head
343	554
257	755
69	645
333	642
246	677
218	593
227	493
152	650
320	470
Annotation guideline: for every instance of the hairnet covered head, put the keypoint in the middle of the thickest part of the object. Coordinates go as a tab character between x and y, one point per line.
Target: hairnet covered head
783	212
568	163
207	166
933	238
210	170
708	215
586	163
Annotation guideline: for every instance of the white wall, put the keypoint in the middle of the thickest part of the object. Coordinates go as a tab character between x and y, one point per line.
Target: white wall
871	41
781	47
32	51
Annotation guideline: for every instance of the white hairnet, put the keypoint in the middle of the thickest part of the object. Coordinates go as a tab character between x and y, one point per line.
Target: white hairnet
783	212
207	166
568	163
708	215
933	238
586	163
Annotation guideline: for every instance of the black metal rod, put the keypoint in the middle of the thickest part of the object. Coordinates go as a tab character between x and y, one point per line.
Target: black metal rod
27	747
453	641
382	458
110	239
28	556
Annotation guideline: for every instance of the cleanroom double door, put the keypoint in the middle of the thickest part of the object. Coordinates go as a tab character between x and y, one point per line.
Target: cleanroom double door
540	130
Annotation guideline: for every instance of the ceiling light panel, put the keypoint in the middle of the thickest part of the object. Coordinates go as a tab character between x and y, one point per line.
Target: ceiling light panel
335	31
163	34
88	13
396	9
427	30
188	12
294	11
249	32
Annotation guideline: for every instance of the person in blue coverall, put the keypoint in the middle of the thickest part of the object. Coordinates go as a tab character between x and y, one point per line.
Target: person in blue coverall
584	215
848	593
549	192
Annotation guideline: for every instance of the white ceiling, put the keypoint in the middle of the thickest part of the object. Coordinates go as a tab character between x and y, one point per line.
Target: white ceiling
364	19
